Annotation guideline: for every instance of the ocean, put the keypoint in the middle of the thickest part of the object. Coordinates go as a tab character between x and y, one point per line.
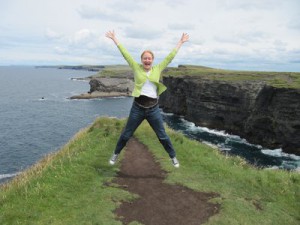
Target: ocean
37	118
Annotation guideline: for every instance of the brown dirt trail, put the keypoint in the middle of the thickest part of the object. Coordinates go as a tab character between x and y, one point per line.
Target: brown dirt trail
158	203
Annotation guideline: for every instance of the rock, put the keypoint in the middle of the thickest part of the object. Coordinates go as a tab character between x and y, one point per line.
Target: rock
98	94
111	85
262	114
107	87
275	119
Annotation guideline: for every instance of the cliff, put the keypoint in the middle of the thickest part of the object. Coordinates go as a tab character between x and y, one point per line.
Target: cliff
263	107
255	110
110	81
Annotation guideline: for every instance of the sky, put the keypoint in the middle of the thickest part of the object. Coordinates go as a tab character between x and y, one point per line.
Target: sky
261	35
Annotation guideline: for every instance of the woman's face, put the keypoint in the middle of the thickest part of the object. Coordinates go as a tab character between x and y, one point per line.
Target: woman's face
147	60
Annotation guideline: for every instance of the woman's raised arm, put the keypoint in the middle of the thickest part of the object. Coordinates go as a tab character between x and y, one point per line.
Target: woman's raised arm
112	35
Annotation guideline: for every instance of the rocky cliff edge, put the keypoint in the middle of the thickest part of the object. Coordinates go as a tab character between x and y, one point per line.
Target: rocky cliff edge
255	110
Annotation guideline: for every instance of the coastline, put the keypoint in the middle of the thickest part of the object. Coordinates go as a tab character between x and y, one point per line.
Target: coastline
248	85
99	94
104	84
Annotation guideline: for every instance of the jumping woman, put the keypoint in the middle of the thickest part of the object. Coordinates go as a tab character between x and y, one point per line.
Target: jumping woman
147	88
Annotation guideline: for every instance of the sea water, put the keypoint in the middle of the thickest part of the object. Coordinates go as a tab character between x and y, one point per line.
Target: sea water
36	116
231	144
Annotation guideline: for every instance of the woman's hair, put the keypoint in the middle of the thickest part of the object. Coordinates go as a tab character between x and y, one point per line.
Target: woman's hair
147	51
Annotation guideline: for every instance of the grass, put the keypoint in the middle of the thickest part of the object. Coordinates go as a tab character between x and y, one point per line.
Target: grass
115	71
68	187
276	79
73	186
247	195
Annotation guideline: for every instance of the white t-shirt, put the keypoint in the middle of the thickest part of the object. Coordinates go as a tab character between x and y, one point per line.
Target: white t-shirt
149	89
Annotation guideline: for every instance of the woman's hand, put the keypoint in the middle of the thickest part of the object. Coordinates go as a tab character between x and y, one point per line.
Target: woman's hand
112	35
184	38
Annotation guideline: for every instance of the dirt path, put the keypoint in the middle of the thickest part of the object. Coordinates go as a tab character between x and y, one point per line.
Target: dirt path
159	203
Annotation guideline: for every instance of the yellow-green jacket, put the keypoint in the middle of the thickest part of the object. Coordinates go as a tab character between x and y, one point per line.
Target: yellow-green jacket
140	75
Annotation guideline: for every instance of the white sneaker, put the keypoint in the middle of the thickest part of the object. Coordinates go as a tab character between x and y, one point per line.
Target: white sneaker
113	159
175	162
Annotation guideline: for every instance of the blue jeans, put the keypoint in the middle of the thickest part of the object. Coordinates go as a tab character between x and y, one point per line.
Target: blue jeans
154	118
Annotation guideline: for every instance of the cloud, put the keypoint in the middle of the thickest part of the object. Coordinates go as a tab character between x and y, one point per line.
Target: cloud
143	32
294	24
248	5
232	33
88	12
61	50
81	36
51	34
242	37
127	6
175	3
181	26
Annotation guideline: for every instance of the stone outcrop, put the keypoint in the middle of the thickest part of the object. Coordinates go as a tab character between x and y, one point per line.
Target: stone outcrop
260	113
105	84
107	87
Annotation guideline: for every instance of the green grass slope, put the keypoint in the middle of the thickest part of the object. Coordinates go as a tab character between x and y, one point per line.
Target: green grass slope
73	186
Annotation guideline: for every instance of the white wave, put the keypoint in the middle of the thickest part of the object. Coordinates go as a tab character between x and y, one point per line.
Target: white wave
275	152
79	79
225	149
294	164
216	132
245	142
193	127
229	137
167	114
118	97
290	165
190	126
279	153
272	168
297	169
8	175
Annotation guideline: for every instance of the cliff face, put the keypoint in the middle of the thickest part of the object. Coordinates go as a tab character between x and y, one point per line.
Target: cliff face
260	113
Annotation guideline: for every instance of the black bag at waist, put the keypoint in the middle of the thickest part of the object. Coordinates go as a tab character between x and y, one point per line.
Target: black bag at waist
146	101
